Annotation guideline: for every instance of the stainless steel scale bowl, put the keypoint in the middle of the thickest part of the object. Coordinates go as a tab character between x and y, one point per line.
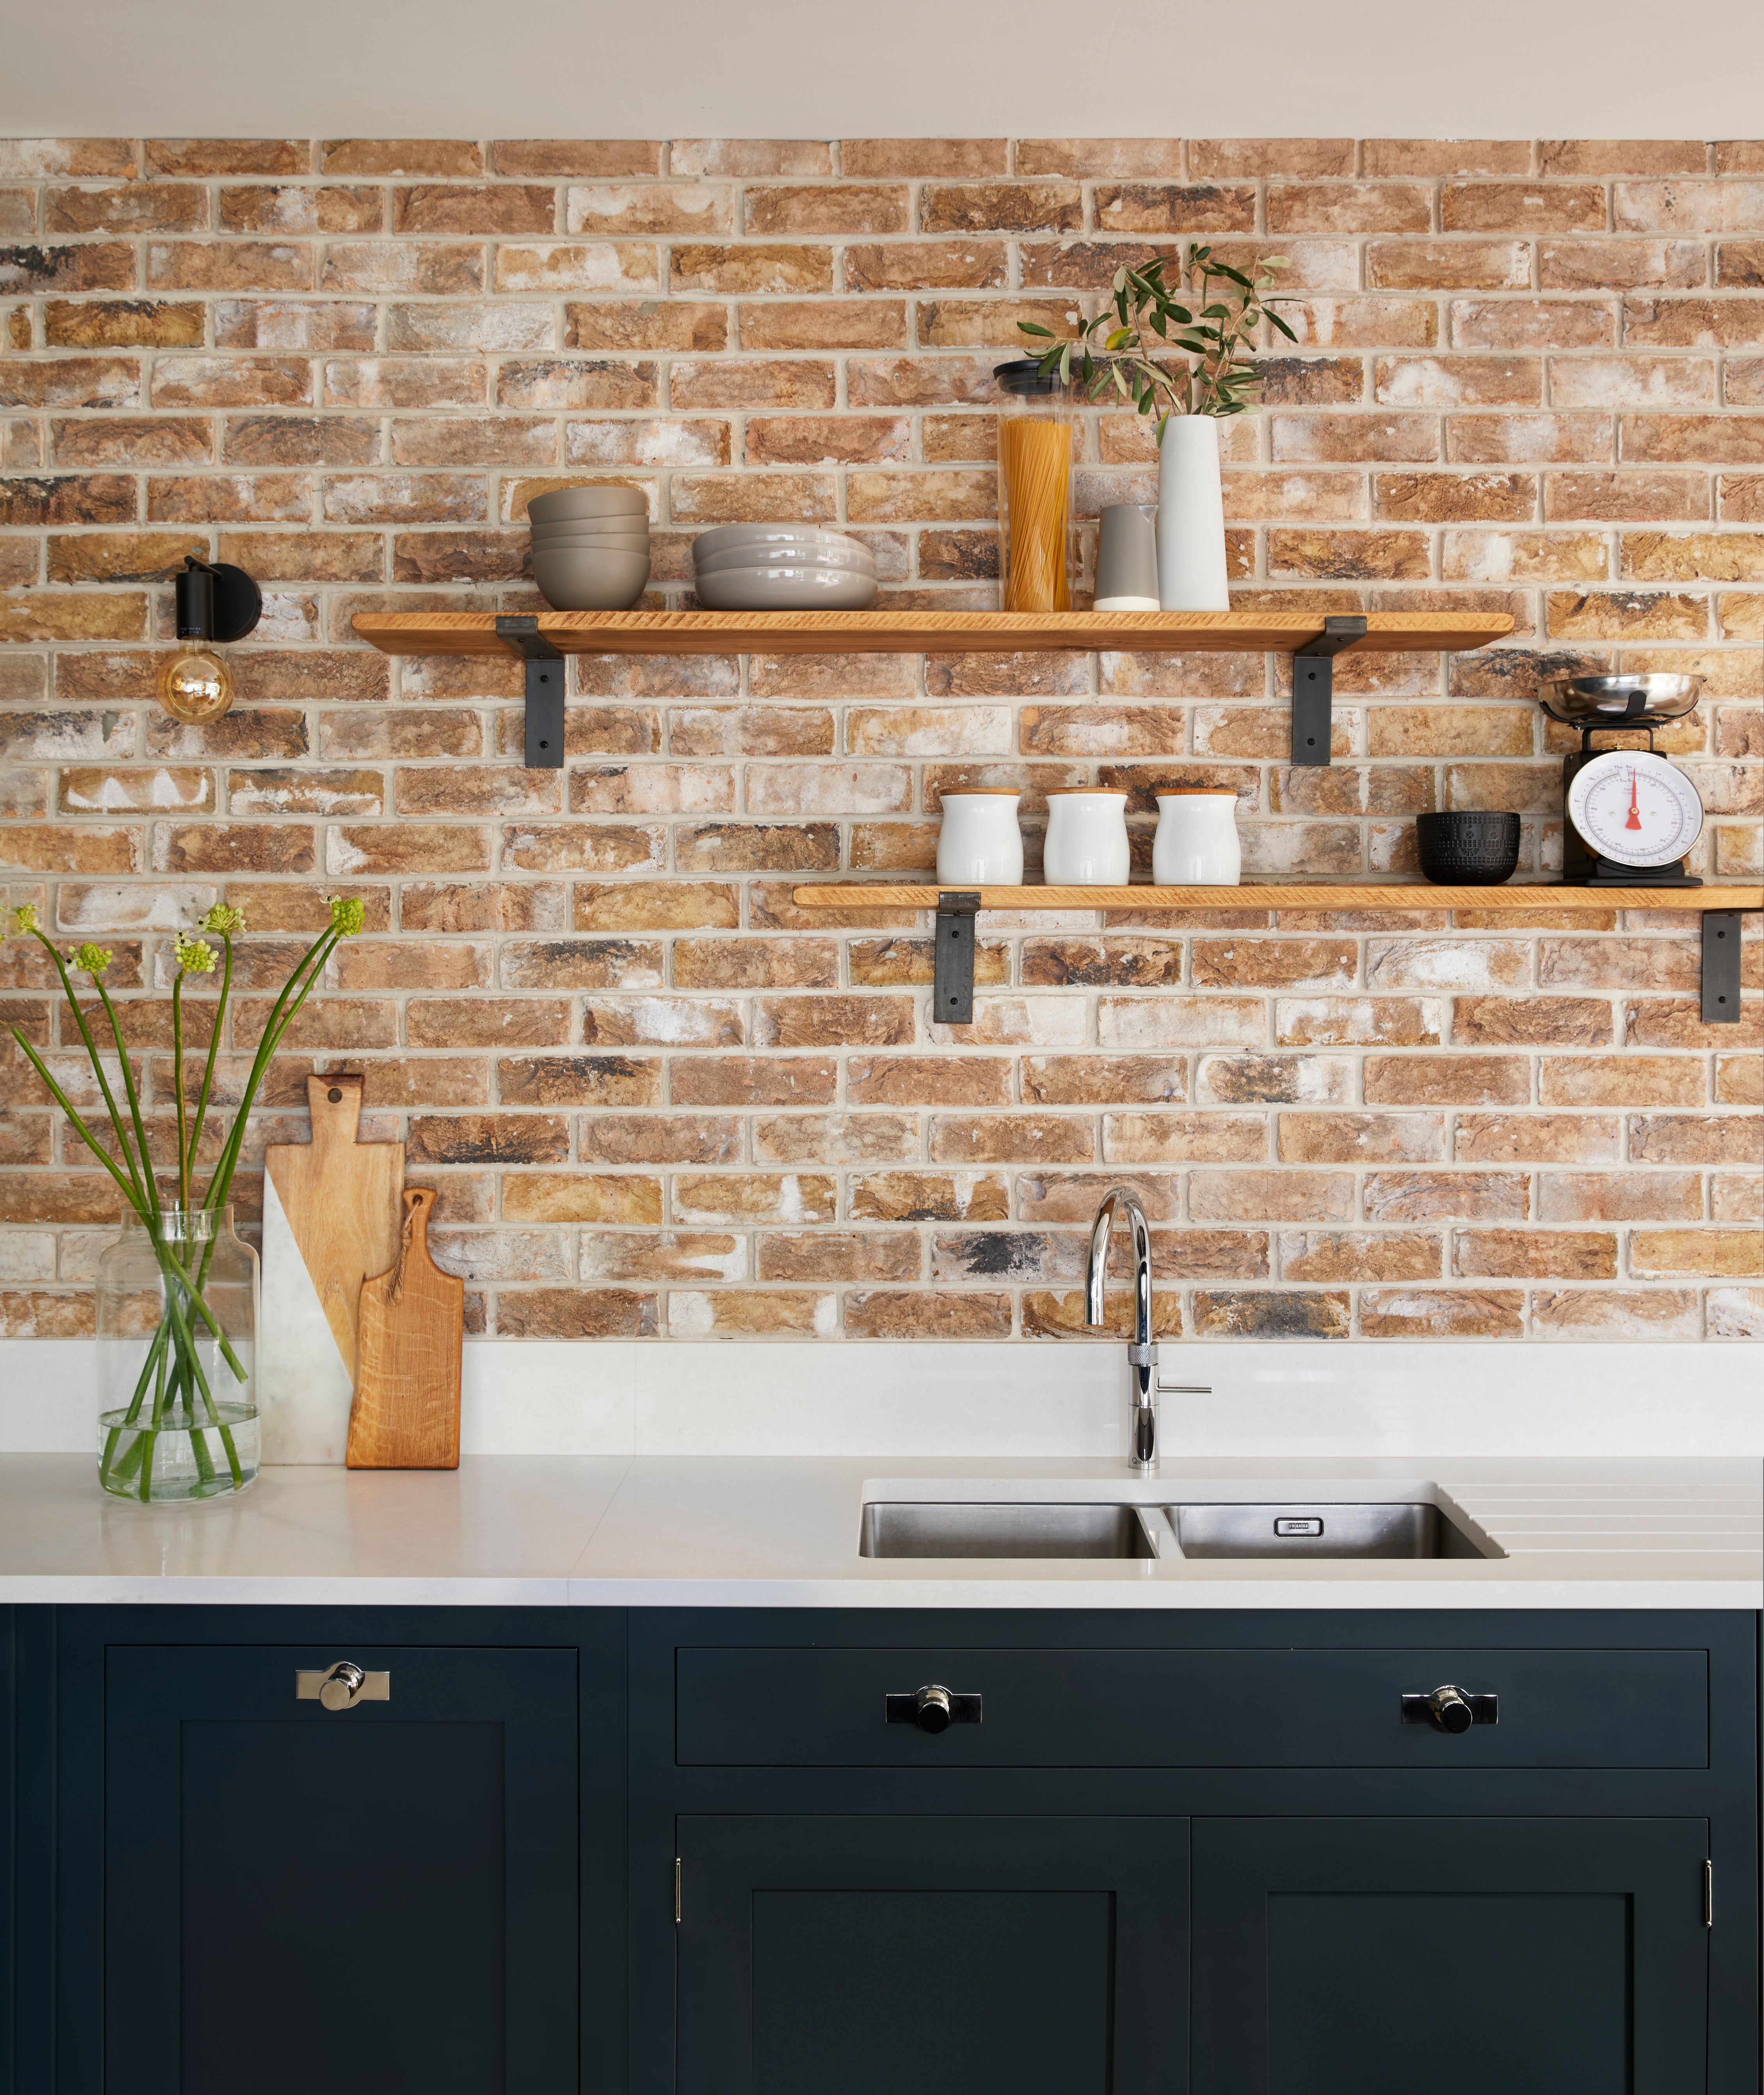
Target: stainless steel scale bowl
1639	701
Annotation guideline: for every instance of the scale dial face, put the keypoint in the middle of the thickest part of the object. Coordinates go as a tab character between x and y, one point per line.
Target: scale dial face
1633	807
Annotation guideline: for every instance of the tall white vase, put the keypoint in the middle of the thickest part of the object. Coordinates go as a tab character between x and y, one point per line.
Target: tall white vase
1191	517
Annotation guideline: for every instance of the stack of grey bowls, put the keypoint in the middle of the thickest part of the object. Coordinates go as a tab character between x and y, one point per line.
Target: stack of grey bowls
590	546
782	567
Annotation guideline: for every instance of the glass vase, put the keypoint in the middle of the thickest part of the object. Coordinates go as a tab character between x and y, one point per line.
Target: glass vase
177	1334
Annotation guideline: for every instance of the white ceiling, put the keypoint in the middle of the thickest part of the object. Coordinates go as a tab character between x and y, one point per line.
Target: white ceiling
900	69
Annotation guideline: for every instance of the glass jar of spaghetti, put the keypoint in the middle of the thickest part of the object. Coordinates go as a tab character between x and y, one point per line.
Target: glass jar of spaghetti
1034	488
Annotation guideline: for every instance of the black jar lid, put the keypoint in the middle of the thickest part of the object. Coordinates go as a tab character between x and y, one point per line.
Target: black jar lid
1023	374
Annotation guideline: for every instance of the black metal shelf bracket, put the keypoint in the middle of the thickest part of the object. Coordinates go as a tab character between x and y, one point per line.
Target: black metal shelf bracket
545	690
952	991
1314	687
1721	967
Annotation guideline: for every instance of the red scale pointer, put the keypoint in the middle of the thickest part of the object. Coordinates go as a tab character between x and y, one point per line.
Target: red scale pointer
1634	811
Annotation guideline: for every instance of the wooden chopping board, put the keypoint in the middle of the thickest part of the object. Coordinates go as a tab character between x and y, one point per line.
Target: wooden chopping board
331	1219
413	1331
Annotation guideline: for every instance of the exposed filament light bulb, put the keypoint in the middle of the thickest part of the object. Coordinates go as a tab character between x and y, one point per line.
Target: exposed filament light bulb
195	685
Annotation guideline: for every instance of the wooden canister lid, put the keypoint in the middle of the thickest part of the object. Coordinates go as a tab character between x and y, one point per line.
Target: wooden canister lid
1194	793
1084	792
979	792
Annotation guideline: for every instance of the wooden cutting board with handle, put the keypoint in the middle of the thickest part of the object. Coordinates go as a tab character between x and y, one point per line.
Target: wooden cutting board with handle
413	1332
331	1218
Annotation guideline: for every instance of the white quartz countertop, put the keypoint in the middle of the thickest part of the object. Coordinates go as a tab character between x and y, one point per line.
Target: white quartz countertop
581	1531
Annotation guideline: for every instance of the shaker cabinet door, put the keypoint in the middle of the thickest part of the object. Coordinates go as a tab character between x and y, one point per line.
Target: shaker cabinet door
1376	1956
862	1956
302	1900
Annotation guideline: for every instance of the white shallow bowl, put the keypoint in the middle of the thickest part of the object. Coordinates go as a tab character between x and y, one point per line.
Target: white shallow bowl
576	580
786	588
726	536
856	560
565	504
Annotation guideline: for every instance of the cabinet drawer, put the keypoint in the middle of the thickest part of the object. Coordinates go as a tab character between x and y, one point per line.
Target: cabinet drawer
758	1707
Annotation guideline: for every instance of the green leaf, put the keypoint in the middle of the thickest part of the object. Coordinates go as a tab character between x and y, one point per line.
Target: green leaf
1034	327
1283	327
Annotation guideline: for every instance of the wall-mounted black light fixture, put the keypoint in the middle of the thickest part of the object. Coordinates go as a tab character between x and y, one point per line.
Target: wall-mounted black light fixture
214	603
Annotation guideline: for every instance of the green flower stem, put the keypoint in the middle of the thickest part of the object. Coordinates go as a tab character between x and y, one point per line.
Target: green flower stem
199	1447
281	1017
149	1219
214	1044
151	1185
153	1361
92	1052
177	1088
131	1192
188	1360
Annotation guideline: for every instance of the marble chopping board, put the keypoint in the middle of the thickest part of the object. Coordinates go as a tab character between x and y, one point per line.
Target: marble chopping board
331	1217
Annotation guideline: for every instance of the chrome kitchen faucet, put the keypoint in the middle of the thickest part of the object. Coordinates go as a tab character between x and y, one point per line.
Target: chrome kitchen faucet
1143	1388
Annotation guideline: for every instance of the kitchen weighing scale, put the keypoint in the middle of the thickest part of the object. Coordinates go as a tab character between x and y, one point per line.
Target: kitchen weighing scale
1629	816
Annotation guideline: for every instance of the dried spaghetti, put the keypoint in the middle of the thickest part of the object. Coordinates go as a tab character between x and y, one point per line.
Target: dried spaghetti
1035	458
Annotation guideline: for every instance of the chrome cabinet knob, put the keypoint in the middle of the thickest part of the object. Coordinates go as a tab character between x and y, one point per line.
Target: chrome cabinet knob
1448	1710
931	1709
1451	1709
341	1685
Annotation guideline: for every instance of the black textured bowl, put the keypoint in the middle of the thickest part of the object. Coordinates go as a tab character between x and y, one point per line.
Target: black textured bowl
1468	850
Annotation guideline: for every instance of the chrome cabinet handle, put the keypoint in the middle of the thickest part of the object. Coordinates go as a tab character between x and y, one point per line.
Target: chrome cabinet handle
342	1686
932	1709
1451	1709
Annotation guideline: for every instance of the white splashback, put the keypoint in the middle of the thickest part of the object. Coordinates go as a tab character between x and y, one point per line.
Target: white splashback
771	1399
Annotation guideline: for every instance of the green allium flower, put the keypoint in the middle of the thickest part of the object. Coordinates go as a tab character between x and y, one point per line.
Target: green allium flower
348	914
225	922
91	960
195	956
24	917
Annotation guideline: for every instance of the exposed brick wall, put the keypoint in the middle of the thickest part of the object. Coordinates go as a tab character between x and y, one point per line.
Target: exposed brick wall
658	1099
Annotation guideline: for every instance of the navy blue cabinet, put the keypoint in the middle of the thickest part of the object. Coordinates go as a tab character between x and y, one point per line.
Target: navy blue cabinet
1044	1956
1205	1854
697	1853
256	1894
390	1886
1357	1957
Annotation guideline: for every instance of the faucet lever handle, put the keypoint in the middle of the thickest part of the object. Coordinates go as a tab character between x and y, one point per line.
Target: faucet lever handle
1184	1388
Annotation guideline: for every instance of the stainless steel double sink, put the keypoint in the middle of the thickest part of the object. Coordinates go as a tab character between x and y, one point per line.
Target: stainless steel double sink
1199	1529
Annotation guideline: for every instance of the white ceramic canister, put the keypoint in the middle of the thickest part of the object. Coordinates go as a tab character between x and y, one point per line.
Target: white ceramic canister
979	844
1196	842
1087	843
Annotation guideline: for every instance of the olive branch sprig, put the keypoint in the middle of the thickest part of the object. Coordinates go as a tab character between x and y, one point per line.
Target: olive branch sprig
1147	319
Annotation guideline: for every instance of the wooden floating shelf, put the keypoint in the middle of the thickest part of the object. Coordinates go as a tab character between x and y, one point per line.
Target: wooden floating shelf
953	948
921	632
1409	894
